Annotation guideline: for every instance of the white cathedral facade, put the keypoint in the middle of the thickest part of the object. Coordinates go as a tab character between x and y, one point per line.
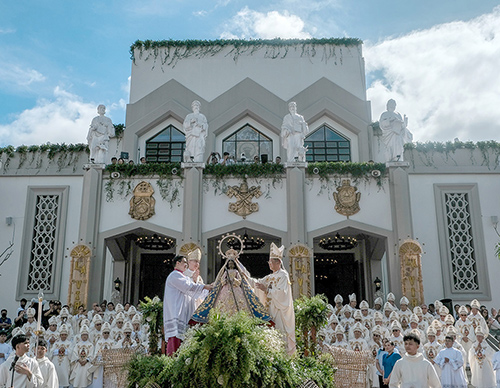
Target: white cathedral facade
424	225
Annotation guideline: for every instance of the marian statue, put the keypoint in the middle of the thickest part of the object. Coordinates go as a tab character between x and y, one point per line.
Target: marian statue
233	291
196	130
293	132
395	133
101	129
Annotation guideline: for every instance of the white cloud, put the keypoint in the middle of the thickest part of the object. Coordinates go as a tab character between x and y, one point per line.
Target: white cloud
12	75
446	79
7	30
64	119
248	24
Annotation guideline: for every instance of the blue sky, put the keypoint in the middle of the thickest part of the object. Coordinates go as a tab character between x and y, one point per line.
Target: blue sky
60	59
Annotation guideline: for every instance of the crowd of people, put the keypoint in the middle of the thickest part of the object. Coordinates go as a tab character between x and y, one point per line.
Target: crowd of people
423	346
72	344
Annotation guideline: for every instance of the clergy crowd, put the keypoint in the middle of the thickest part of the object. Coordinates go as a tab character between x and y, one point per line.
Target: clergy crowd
68	351
387	333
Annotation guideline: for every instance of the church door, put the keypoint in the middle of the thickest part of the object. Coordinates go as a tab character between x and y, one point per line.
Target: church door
155	267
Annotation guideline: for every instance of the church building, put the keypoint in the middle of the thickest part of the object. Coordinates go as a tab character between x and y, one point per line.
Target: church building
354	212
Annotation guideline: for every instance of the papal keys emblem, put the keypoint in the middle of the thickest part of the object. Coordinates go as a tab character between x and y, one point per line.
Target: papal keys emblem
347	199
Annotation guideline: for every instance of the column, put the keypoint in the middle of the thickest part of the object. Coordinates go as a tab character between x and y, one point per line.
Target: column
89	227
399	187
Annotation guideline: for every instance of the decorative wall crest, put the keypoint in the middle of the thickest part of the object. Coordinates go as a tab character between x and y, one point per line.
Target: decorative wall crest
410	253
142	204
300	270
347	199
244	195
79	277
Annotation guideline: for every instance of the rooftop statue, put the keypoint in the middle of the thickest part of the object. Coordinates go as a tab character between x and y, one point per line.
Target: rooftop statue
293	132
101	129
196	131
395	133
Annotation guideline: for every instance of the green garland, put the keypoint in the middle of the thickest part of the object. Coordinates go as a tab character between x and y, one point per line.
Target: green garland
356	170
152	315
68	154
169	188
230	351
427	150
171	51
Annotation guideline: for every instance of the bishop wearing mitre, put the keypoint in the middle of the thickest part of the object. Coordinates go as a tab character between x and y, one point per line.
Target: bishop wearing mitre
276	286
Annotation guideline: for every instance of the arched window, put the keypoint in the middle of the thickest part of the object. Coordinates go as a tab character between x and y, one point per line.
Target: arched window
166	146
326	145
247	140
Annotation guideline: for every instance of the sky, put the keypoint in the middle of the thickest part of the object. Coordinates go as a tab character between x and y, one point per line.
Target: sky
59	59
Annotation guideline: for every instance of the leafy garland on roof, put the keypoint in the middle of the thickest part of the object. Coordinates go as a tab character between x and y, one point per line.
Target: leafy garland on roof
427	150
68	154
171	51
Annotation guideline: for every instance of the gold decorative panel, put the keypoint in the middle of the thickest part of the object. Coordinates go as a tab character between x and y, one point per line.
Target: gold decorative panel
300	270
410	254
79	277
142	204
347	199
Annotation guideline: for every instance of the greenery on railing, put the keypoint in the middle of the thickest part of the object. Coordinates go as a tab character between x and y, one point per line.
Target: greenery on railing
236	351
427	150
68	154
168	187
171	51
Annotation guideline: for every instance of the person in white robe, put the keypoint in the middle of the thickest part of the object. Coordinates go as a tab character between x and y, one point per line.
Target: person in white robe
480	361
451	362
279	294
83	351
47	368
496	366
340	335
178	303
356	341
193	272
104	343
413	370
26	370
60	356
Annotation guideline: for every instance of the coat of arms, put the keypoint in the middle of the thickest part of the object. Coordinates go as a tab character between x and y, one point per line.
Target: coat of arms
244	195
142	204
347	199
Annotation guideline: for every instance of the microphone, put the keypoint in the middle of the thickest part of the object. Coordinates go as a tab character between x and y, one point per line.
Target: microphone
14	362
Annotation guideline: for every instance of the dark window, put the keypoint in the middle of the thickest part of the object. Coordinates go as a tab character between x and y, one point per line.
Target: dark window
166	146
249	141
326	145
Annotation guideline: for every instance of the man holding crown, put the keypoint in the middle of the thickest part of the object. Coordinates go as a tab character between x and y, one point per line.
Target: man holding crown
278	290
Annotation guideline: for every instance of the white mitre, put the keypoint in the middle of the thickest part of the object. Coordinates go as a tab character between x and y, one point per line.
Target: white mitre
194	255
276	253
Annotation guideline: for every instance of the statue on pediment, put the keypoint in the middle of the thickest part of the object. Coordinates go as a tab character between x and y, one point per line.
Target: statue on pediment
395	133
293	132
100	131
196	131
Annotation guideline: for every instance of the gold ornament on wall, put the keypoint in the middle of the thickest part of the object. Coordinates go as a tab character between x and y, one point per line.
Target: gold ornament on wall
347	199
300	270
79	277
142	204
244	195
410	254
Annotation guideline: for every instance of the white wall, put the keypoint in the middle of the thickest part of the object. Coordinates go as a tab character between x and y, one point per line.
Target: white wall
13	192
215	74
425	228
375	206
114	213
272	211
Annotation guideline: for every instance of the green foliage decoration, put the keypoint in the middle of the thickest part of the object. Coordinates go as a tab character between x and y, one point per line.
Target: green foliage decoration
152	315
427	150
356	171
119	129
169	52
311	314
67	154
169	188
230	351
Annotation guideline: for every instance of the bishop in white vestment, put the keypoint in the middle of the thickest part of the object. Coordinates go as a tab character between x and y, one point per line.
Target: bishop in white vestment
480	361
